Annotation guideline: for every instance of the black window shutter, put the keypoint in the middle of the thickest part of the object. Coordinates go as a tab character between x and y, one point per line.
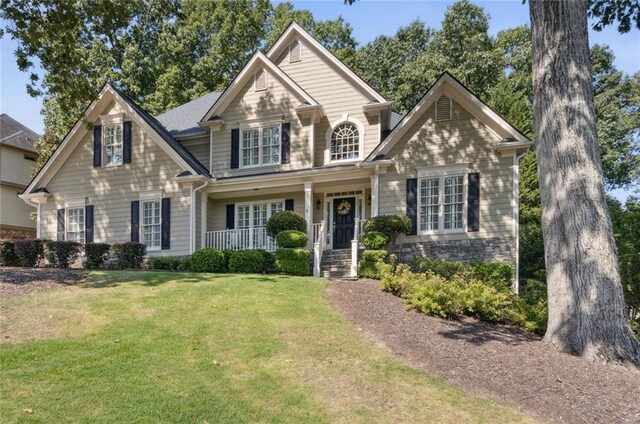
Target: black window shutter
231	220
288	205
412	204
126	142
473	202
235	148
165	243
88	224
61	224
97	146
286	145
135	220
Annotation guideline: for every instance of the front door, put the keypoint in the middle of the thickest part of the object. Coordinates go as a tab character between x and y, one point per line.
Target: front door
344	212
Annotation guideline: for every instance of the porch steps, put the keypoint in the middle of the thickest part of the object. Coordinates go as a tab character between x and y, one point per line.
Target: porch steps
336	264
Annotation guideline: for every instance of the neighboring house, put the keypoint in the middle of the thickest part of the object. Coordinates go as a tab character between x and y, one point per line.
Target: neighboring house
295	130
17	160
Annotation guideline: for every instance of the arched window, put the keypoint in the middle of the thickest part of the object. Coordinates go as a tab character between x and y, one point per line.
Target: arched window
345	142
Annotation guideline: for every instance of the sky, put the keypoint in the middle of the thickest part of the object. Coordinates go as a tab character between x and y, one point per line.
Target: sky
368	19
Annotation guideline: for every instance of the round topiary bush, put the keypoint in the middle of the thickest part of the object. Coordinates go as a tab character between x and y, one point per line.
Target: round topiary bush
293	261
374	240
248	262
285	220
207	260
391	226
291	239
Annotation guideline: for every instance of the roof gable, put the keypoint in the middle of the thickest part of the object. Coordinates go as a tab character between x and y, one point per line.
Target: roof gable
182	121
257	61
148	123
294	30
465	98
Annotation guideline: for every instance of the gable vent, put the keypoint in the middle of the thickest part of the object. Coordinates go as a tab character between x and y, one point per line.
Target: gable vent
294	51
443	108
260	80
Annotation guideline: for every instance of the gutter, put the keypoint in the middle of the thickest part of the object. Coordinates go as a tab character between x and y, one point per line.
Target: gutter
192	221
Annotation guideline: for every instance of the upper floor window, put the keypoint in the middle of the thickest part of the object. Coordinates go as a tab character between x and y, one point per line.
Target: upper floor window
345	142
260	146
75	224
113	145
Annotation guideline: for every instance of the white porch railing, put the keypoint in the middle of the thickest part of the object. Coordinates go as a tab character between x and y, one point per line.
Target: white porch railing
360	223
240	239
355	244
319	245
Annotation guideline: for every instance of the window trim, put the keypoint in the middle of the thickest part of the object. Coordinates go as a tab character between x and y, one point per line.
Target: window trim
440	173
251	203
435	112
149	198
300	50
104	143
70	207
260	126
345	119
255	80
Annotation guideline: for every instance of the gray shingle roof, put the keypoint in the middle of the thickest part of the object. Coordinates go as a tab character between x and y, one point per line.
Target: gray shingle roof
183	120
13	133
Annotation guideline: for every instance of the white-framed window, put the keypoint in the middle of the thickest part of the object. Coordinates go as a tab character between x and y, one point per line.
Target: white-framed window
260	146
113	145
256	214
442	201
151	224
345	142
75	224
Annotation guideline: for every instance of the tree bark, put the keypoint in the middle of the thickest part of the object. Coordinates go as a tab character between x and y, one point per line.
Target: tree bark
587	315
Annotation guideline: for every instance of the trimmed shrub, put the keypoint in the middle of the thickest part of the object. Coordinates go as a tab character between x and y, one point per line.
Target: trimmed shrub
228	253
247	262
29	252
207	260
293	261
269	260
285	220
96	254
375	240
369	261
62	253
8	255
185	264
446	269
499	275
129	255
391	226
165	263
291	239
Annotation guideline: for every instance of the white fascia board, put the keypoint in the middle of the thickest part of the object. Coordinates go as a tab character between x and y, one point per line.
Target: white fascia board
296	30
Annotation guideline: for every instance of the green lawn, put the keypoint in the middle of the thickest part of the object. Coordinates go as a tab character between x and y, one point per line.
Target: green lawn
196	348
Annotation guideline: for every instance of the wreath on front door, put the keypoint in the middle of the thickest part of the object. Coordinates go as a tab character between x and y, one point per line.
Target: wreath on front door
343	208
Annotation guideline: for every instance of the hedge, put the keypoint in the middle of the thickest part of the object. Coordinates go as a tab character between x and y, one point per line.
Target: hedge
61	254
247	262
285	220
375	240
96	255
293	261
292	239
129	255
8	255
29	252
207	260
167	263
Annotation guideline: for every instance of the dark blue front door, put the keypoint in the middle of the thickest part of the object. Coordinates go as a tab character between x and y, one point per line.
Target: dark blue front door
343	222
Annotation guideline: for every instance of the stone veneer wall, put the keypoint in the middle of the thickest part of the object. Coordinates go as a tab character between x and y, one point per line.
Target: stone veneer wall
495	249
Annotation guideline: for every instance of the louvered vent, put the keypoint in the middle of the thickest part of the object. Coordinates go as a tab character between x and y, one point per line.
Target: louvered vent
443	108
260	80
294	51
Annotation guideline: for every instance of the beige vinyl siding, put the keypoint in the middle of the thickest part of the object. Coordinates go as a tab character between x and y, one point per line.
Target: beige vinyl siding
199	148
337	96
13	210
273	105
112	189
14	168
462	140
217	212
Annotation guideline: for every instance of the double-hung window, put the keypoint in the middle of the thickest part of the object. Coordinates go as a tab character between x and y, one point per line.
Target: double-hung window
442	203
261	146
75	224
151	224
113	146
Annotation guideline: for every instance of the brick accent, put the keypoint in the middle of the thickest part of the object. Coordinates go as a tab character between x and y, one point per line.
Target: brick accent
495	249
16	233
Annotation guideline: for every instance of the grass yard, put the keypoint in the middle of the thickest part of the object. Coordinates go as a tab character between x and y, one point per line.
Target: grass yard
196	348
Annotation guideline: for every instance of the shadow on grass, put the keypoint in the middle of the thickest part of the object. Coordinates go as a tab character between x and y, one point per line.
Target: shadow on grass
478	333
105	279
19	275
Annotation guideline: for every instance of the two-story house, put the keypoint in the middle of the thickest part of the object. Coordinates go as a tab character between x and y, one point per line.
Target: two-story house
18	158
295	130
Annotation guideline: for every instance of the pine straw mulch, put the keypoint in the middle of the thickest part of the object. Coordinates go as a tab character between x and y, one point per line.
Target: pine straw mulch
15	282
498	362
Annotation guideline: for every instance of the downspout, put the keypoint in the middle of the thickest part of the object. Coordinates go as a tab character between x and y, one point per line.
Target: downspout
516	217
192	221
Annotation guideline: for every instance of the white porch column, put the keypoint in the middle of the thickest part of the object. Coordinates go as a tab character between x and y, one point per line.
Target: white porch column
375	182
38	220
308	209
204	198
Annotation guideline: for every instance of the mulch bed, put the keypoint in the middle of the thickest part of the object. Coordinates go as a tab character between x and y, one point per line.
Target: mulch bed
16	282
499	362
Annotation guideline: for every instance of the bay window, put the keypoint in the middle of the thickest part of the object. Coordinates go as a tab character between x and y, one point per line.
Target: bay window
261	146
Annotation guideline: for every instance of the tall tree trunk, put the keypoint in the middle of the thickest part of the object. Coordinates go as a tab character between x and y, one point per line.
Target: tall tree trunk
586	305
